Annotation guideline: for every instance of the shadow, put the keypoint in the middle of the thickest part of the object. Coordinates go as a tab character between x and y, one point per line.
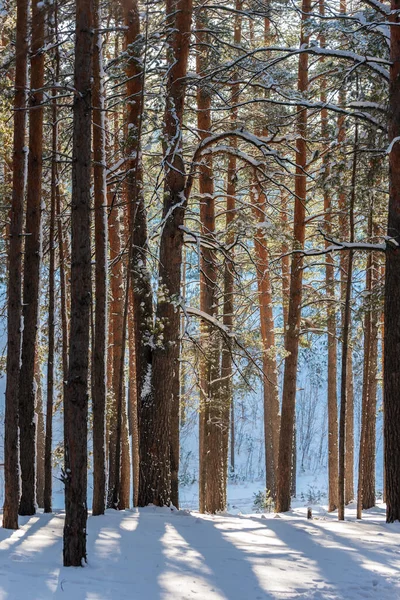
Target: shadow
157	554
228	568
341	560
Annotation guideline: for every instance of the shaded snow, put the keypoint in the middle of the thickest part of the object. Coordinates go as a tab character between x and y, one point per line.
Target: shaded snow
162	554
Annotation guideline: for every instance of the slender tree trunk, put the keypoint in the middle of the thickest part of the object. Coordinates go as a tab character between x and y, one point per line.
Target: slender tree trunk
271	390
368	483
32	263
76	391
155	419
48	470
211	497
132	402
333	467
227	400
99	385
344	386
14	299
48	484
116	324
294	313
40	437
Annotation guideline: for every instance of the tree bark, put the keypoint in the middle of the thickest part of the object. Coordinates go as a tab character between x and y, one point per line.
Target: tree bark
40	436
76	391
210	467
344	385
32	264
333	466
294	312
99	385
392	287
155	418
14	299
271	390
116	325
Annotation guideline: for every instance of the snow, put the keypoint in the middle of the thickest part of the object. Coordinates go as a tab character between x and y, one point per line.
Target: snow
180	555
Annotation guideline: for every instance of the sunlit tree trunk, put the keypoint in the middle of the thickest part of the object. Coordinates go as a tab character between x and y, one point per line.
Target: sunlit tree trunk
156	437
344	386
294	312
271	390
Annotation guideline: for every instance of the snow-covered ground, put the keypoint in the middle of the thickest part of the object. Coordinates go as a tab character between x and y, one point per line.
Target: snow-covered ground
152	554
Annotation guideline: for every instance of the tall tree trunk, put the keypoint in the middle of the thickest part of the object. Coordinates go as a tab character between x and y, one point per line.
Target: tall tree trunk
155	417
99	385
392	287
344	385
210	468
140	319
32	263
76	391
271	390
294	313
227	401
344	258
116	325
368	485
133	402
333	466
48	470
40	436
14	298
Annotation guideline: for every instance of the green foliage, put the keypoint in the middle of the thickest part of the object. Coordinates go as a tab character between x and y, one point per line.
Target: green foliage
263	502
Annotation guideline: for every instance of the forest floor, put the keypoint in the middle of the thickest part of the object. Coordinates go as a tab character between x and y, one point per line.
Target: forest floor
153	553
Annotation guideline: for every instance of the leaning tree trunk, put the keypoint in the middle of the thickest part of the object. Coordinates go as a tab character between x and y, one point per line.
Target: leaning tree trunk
155	411
99	385
32	264
14	298
392	286
76	390
294	313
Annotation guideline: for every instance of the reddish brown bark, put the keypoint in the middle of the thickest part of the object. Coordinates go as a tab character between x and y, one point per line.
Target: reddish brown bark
211	497
344	382
116	325
227	401
140	319
156	437
271	390
294	313
333	466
